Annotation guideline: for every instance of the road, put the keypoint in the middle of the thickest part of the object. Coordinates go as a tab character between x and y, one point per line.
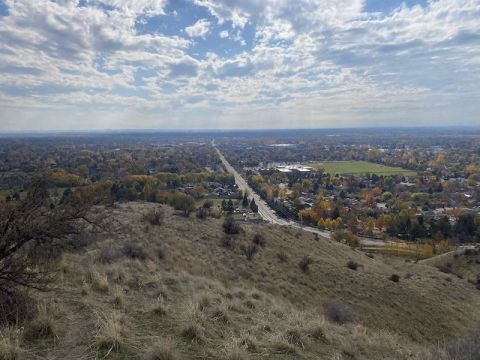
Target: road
267	214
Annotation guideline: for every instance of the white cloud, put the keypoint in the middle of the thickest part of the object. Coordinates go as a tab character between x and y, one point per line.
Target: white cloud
199	29
147	7
310	63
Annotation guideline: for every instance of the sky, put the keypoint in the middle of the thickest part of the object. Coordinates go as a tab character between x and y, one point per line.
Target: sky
238	64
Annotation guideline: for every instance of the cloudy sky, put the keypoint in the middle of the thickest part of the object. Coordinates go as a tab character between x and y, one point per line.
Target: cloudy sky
197	64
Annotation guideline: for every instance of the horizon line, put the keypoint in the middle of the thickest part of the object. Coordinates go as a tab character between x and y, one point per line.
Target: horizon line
200	130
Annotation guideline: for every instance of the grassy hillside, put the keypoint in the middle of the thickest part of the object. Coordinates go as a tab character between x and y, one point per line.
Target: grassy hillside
185	290
464	263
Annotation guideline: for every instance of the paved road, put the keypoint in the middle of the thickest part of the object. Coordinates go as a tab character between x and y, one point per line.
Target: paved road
269	215
264	210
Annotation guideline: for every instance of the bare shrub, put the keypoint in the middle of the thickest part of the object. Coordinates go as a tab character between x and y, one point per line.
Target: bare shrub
259	240
160	310
228	242
395	278
338	313
282	257
161	252
154	217
134	251
305	263
202	213
352	265
230	226
250	251
33	232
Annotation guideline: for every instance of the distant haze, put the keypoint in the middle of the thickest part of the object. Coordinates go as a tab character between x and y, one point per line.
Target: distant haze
245	64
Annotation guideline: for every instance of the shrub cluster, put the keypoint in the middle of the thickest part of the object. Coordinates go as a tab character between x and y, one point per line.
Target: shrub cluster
230	226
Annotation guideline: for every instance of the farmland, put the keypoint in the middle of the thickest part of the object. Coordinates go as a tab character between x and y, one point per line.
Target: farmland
360	167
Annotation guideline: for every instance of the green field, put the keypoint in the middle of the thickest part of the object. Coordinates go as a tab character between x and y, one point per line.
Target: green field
360	167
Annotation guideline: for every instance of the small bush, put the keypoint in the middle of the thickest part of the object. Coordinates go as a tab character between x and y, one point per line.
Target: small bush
118	297
395	278
193	333
294	337
154	217
259	240
228	242
337	313
10	344
282	257
470	252
97	281
110	333
134	251
352	265
202	213
220	315
445	269
162	350
160	310
161	252
250	251
230	226
42	327
305	263
108	255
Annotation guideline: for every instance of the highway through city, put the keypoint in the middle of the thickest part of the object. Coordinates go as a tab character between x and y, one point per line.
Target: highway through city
269	215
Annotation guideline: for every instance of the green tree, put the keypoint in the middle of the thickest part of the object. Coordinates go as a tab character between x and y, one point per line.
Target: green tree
245	201
184	203
254	206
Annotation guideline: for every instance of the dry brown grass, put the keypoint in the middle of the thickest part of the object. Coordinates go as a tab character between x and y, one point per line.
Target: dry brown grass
163	349
110	332
215	304
11	343
43	326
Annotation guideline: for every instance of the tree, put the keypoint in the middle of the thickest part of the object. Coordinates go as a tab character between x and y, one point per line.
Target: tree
183	203
245	201
254	206
32	233
230	207
465	228
230	226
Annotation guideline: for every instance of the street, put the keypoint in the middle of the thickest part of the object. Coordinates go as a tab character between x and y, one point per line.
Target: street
267	214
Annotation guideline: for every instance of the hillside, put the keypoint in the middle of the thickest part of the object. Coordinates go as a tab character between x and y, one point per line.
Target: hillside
464	263
185	290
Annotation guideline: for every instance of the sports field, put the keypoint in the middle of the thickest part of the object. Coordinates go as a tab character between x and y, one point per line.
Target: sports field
360	167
